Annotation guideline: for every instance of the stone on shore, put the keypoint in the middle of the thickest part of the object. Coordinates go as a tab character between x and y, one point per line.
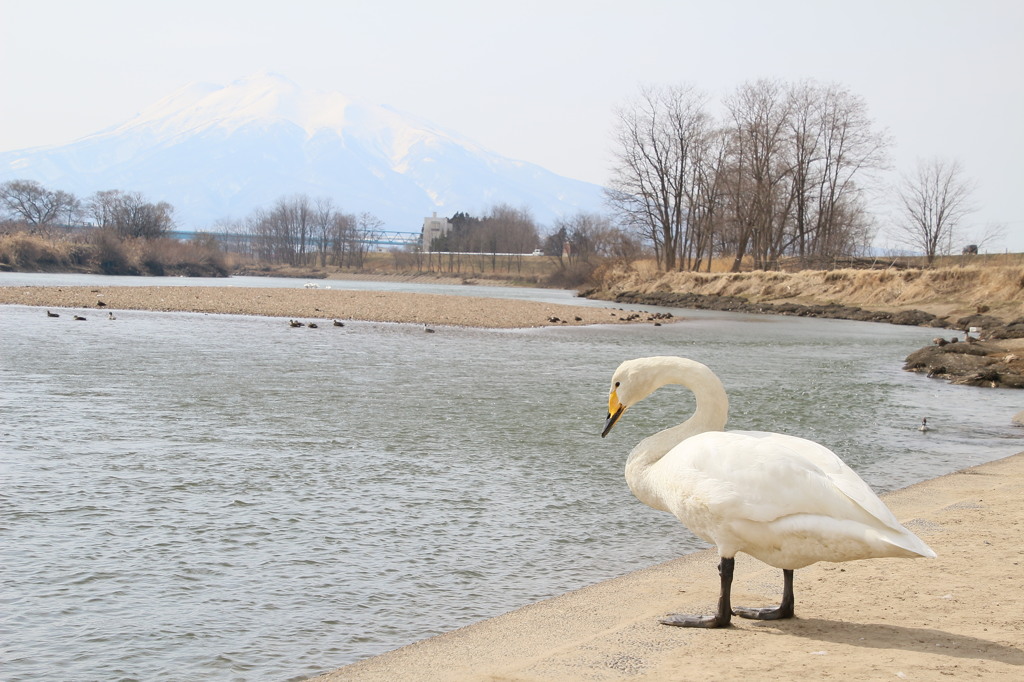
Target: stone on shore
970	363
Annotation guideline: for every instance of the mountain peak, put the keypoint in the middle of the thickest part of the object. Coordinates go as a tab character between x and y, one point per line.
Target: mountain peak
263	98
218	152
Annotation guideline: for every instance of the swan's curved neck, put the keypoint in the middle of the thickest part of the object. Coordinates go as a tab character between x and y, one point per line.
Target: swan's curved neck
711	413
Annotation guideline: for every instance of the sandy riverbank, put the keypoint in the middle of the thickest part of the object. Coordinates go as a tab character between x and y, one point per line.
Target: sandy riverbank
950	292
954	617
309	304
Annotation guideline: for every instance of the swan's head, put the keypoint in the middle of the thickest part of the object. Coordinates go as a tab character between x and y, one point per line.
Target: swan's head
633	381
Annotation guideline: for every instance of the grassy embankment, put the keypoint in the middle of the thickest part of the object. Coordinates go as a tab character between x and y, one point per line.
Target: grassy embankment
950	289
955	286
105	253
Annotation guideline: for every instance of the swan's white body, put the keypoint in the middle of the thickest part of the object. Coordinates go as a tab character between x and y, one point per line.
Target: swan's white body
786	501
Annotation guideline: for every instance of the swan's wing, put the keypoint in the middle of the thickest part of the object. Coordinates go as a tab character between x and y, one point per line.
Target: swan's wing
839	473
764	476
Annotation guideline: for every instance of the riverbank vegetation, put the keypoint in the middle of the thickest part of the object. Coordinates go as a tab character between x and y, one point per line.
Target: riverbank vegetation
951	287
111	232
121	233
106	252
775	170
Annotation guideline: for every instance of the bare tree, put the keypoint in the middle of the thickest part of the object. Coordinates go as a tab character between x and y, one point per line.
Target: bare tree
799	162
933	204
130	215
990	234
343	231
510	231
233	235
833	148
323	227
302	221
706	197
581	238
31	202
656	154
759	170
367	229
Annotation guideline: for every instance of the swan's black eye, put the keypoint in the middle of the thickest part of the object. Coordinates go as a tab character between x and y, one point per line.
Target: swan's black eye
616	384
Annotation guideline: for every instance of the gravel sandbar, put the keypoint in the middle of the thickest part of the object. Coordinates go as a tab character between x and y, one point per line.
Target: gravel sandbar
372	306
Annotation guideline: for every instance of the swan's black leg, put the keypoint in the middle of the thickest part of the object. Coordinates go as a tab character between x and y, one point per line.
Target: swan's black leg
724	615
784	610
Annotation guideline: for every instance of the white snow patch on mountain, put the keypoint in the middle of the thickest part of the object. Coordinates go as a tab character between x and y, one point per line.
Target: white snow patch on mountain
220	152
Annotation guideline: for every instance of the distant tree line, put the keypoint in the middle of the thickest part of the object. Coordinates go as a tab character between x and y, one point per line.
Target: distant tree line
783	172
111	232
499	238
301	231
126	214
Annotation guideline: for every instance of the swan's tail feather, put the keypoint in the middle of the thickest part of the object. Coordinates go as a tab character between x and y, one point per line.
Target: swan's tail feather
911	545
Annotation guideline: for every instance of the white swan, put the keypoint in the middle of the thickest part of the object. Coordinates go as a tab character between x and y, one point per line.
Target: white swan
786	501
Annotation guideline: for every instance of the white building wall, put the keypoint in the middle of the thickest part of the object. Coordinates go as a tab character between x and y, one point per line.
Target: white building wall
434	227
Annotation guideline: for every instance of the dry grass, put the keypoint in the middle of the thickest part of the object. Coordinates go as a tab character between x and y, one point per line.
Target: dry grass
19	250
520	270
104	252
942	290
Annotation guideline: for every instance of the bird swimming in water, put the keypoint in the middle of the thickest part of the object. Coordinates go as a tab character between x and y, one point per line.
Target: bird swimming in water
49	314
786	501
924	426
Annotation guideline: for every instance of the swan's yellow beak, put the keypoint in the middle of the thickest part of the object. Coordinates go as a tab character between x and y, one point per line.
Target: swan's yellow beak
615	410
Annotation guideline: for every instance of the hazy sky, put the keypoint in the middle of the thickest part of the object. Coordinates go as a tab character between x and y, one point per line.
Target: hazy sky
540	81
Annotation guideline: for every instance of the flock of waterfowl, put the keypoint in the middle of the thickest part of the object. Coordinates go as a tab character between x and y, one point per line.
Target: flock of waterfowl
111	316
80	318
312	325
336	323
291	323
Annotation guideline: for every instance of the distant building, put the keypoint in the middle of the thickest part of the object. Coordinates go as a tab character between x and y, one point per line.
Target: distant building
434	227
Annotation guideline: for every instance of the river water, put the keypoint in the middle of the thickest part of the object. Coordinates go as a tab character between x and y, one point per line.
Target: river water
213	497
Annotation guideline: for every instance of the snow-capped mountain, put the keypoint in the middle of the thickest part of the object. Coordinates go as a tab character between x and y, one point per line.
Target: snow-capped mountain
218	152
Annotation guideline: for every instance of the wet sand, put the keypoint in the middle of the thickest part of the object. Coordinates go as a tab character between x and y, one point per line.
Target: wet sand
309	304
955	617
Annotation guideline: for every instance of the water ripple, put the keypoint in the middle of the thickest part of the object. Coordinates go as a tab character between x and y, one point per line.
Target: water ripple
210	497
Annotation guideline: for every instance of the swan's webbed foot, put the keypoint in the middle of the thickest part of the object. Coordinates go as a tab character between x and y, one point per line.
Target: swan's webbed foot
724	615
780	612
684	621
768	613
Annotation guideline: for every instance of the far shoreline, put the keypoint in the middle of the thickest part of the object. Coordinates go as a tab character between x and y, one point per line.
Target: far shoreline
319	304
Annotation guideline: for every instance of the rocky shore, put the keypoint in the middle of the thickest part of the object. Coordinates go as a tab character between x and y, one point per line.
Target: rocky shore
994	327
969	362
